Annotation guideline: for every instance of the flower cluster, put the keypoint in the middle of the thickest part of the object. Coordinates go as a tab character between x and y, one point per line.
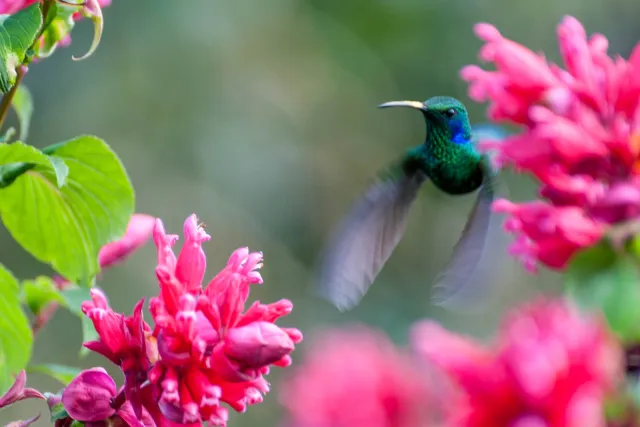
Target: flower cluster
580	138
356	377
204	348
549	367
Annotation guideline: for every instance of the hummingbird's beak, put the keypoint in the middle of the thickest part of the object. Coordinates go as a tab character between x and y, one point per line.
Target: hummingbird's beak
411	104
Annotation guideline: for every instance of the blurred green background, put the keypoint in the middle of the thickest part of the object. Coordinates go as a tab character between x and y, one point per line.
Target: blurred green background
260	117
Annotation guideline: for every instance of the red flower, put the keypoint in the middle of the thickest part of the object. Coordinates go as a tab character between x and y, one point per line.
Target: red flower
550	367
580	139
355	377
211	350
205	348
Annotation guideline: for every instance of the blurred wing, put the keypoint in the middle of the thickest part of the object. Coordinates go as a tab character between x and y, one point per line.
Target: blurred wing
367	237
451	284
465	279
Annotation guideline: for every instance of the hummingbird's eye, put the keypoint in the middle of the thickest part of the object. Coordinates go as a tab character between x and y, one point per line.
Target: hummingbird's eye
450	113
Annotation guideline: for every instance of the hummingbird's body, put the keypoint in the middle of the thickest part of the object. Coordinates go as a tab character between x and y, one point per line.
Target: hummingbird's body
457	170
448	158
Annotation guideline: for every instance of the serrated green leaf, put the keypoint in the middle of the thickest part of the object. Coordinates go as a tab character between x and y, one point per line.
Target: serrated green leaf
17	158
62	373
58	25
39	293
73	299
17	34
22	103
16	338
600	278
67	226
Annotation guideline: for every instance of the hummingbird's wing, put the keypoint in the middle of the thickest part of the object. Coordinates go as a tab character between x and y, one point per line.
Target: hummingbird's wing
464	279
368	235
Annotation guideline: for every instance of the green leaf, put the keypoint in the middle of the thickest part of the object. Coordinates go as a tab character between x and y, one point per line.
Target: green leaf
67	226
22	103
600	278
62	373
16	338
39	293
17	34
58	25
17	158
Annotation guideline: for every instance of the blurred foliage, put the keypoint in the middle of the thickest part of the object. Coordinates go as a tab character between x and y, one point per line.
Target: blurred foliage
262	120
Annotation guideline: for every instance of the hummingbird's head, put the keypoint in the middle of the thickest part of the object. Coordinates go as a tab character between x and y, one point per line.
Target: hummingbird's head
442	114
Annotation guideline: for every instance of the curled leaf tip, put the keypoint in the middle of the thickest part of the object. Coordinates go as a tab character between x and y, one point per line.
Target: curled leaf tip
92	10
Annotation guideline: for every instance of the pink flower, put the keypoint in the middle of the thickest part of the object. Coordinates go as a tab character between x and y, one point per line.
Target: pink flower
549	367
211	350
138	232
580	138
355	377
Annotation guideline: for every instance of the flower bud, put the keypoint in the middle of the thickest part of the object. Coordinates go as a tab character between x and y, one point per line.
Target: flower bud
88	397
257	344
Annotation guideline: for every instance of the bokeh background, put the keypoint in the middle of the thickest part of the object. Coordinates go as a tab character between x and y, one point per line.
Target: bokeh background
260	117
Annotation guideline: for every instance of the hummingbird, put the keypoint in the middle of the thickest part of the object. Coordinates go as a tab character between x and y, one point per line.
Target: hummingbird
368	235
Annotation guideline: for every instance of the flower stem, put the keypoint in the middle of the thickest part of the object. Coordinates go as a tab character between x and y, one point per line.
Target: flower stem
8	97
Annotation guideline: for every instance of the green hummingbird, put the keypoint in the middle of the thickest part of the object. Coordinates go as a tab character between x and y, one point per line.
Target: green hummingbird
371	231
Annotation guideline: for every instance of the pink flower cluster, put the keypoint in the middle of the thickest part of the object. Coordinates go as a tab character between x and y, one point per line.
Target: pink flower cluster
205	348
580	138
356	377
549	367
